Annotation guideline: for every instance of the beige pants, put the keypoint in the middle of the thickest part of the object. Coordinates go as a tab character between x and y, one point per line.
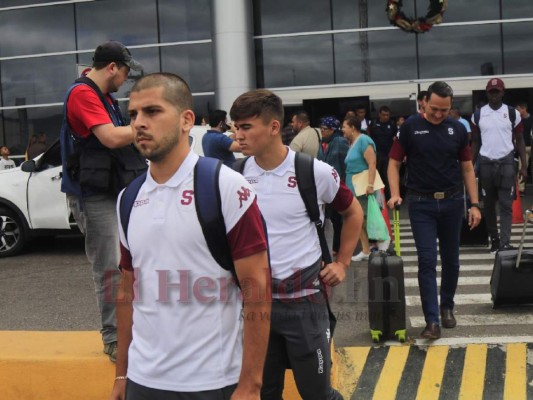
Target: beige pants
522	184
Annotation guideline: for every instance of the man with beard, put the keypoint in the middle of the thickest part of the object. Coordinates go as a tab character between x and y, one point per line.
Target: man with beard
175	343
90	130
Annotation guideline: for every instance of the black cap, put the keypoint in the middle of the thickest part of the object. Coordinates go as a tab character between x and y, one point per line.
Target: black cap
113	51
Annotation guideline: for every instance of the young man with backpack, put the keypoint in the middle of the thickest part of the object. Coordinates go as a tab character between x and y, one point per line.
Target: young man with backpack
181	319
496	134
300	324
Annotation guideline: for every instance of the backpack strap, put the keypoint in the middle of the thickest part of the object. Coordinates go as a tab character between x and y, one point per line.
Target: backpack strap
127	200
477	114
209	209
112	109
305	176
512	116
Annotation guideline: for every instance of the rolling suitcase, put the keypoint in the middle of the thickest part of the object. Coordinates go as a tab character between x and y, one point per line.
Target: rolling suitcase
512	275
479	236
386	291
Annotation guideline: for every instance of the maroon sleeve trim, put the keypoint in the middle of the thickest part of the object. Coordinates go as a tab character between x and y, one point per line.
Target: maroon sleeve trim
125	259
248	236
465	154
397	152
343	199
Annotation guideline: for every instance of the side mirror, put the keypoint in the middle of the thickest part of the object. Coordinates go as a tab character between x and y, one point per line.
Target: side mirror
28	166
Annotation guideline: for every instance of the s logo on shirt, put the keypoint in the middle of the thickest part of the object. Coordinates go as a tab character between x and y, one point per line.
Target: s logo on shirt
450	131
292	182
187	197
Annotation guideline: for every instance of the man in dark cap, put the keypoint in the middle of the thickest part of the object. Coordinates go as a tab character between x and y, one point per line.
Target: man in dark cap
497	133
94	136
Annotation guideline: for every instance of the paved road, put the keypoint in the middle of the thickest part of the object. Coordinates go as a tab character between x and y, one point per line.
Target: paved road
49	287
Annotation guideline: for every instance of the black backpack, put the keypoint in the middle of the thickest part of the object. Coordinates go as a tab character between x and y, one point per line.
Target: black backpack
512	116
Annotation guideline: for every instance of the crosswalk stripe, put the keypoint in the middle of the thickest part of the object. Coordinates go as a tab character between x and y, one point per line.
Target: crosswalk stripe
464	268
463	280
429	387
462	257
389	379
459	299
478	320
353	360
473	372
515	376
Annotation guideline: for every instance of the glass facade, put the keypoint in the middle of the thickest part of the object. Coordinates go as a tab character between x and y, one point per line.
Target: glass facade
299	45
41	45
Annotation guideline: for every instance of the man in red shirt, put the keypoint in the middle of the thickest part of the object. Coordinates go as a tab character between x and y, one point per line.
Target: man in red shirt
91	128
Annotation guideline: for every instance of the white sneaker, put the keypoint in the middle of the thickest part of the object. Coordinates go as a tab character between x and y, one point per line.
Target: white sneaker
361	257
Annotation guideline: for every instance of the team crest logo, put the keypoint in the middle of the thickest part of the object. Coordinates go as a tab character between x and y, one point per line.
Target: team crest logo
450	131
505	116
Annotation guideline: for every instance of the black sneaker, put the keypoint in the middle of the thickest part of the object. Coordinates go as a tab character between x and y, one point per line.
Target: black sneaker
507	247
494	245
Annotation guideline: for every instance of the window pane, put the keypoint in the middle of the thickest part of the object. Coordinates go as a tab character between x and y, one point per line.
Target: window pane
518	57
21	124
389	57
460	51
351	14
128	21
37	30
517	9
192	62
37	80
282	16
464	11
295	61
182	20
202	106
14	3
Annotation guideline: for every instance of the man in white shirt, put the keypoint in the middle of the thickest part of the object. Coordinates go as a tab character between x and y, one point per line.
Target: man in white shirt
5	162
497	133
181	320
300	327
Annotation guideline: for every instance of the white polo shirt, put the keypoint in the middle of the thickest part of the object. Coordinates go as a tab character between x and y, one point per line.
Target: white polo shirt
187	326
496	131
292	237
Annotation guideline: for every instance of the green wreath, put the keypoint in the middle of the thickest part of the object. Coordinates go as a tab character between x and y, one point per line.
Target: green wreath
420	25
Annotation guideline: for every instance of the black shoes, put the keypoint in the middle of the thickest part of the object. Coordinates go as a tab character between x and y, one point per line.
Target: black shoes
447	319
431	332
494	245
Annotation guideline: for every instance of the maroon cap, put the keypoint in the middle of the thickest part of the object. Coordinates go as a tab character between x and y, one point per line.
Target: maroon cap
495	83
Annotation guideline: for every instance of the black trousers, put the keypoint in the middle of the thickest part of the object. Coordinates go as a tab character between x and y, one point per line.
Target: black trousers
299	339
134	391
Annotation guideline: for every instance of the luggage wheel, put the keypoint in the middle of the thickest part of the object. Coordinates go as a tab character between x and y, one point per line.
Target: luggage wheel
376	335
401	335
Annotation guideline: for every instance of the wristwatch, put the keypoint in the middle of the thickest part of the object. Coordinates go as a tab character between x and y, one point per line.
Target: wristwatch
475	205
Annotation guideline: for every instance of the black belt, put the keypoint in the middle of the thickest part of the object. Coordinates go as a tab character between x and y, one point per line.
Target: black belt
436	195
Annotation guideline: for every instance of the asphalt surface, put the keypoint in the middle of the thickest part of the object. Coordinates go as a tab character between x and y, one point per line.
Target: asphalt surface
49	287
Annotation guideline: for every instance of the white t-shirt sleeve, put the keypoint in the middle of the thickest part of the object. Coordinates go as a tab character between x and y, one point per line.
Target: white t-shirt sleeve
327	182
236	196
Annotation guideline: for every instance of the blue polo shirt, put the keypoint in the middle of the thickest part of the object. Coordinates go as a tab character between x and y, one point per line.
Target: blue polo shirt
216	145
434	153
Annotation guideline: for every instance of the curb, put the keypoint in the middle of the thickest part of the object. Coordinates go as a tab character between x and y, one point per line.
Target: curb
64	366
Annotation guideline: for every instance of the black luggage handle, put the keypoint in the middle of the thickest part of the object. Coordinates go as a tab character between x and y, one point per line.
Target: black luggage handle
521	247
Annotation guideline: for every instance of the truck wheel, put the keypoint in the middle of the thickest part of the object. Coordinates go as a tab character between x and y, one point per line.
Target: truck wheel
12	235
